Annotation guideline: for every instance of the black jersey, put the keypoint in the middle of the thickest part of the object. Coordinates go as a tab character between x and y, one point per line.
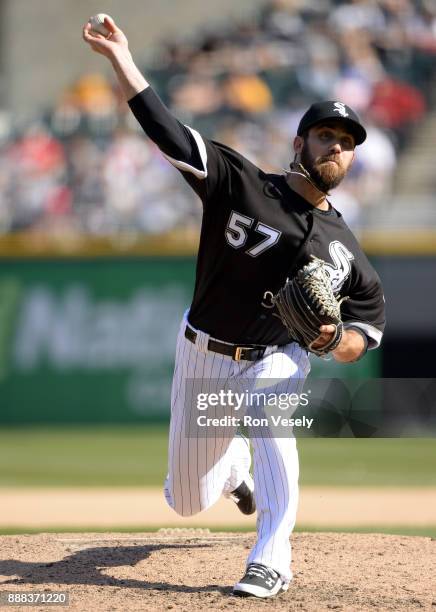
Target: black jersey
256	231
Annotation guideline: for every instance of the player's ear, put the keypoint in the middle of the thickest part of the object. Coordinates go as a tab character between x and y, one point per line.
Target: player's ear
298	144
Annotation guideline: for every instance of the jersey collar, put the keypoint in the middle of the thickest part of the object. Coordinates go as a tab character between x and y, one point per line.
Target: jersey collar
307	205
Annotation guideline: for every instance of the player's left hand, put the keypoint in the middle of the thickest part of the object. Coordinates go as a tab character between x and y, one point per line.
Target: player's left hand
325	336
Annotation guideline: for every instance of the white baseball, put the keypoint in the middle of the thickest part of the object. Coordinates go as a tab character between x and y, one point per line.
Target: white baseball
97	24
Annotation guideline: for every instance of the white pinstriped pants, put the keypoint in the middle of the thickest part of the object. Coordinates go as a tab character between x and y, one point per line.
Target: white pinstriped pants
199	468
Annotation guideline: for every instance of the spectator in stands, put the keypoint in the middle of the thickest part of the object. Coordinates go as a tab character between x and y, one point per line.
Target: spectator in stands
93	171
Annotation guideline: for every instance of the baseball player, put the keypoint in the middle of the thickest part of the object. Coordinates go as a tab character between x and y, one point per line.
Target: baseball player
257	230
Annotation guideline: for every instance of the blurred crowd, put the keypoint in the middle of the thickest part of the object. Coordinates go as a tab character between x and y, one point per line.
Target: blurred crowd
85	166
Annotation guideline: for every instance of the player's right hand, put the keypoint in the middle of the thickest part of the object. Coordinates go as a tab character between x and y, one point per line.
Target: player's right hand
115	41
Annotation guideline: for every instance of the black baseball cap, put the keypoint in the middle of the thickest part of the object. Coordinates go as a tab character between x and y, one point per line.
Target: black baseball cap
322	111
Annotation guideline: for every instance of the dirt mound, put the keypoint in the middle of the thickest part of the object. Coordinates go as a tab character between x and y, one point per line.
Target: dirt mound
183	570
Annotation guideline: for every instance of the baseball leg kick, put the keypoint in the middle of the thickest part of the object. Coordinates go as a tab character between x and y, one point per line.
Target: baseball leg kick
201	467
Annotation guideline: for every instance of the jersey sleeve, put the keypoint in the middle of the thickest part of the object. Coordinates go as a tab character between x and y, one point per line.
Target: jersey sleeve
175	140
365	307
223	167
208	167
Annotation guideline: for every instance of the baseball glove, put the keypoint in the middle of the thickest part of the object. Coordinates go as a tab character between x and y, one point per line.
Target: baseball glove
305	303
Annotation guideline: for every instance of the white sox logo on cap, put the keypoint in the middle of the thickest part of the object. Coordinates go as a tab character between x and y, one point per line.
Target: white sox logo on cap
323	111
340	108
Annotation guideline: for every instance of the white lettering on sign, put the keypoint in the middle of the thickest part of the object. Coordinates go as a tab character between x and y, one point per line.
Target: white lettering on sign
73	329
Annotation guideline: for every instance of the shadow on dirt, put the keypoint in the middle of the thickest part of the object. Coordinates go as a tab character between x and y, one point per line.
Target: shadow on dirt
85	567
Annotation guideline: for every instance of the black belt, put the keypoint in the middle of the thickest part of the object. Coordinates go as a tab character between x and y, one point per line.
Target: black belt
247	353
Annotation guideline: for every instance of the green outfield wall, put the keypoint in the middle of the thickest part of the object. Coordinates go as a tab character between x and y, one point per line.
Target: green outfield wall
93	340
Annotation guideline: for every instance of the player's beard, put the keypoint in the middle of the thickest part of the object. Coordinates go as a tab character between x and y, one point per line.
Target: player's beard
326	176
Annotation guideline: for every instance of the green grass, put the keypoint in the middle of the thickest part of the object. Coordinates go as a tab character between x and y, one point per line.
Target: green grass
366	462
407	530
137	456
429	531
92	456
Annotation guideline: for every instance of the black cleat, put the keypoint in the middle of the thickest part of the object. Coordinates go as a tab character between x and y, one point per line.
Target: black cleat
259	581
244	498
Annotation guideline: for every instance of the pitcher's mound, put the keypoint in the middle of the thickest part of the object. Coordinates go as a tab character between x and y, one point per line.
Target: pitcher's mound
189	570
